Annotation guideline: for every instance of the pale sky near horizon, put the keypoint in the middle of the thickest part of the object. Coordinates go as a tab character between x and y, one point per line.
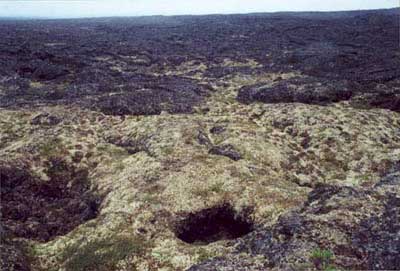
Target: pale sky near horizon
101	8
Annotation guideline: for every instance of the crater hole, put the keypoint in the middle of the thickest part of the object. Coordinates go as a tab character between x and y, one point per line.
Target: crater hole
213	224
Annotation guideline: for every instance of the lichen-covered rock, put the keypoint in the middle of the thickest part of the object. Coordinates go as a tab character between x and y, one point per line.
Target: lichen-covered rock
360	227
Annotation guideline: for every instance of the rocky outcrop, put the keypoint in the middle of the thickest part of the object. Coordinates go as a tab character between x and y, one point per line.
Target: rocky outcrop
151	97
45	119
143	95
41	210
12	255
299	90
312	90
358	227
386	96
227	150
41	70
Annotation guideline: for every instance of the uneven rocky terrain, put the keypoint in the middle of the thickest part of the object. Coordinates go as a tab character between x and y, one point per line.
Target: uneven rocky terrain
240	142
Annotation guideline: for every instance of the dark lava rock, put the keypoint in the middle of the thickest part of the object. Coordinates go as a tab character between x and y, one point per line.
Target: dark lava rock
392	178
45	119
40	210
300	90
132	146
379	237
12	255
226	150
142	95
361	227
171	94
41	70
217	130
119	59
386	100
203	139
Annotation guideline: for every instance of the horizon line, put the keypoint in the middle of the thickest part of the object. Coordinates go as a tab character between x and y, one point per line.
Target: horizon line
171	15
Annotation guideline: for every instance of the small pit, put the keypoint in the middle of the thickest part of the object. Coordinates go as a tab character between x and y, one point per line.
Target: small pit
213	224
41	210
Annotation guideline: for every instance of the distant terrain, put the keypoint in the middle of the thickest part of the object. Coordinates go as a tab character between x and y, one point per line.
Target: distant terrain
266	141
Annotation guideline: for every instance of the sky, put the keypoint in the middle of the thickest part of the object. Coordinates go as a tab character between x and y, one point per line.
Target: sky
104	8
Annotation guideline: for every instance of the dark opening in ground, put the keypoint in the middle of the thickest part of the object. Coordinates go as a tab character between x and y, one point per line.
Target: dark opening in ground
41	210
213	224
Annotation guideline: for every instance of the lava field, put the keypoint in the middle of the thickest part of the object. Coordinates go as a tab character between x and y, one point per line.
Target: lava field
266	141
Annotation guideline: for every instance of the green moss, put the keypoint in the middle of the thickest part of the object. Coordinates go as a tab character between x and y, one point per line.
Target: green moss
168	150
217	187
119	167
9	132
102	254
118	152
203	255
331	162
207	191
323	259
151	199
52	147
101	148
203	193
112	150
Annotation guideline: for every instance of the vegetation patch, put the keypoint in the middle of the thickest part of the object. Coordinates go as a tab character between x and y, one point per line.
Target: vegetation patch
323	259
103	254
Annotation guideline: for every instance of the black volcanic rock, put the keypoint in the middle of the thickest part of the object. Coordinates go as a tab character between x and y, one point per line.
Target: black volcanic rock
386	99
227	150
40	70
170	94
45	119
217	129
41	210
12	255
340	55
140	95
301	90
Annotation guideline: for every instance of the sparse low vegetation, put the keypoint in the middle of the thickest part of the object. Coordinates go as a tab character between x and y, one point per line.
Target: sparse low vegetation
52	147
323	259
104	255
